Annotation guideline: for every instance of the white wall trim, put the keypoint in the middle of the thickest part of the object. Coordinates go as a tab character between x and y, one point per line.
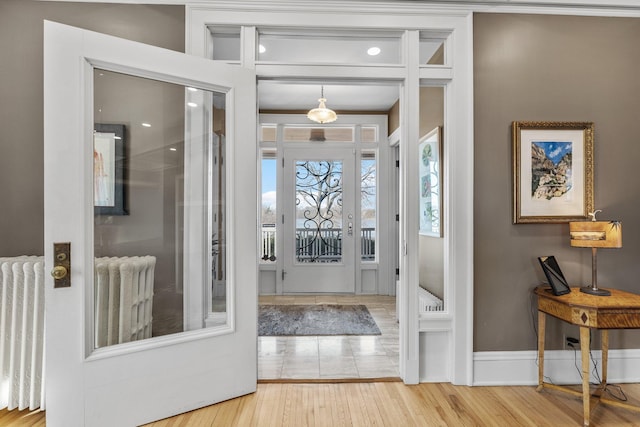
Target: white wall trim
505	368
629	8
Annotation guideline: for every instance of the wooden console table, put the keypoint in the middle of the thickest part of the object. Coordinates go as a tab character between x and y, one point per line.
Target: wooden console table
621	310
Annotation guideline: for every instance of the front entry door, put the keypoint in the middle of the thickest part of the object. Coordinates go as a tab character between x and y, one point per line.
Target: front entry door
141	146
319	220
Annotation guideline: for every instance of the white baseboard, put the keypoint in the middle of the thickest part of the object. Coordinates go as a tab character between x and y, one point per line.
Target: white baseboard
501	368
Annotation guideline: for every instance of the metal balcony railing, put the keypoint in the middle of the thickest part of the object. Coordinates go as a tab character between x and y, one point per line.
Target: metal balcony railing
327	247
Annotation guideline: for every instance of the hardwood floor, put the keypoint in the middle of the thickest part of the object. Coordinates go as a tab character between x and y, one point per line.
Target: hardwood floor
394	404
389	404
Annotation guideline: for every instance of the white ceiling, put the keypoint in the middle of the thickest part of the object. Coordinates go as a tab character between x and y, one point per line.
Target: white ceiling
340	97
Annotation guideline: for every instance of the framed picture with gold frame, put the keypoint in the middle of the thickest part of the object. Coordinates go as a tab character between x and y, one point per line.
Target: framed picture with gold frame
552	171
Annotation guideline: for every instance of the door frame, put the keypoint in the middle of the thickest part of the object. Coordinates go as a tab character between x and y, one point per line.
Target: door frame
457	77
371	277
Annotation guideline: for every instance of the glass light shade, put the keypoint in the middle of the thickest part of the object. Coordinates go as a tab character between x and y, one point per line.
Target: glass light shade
322	114
596	234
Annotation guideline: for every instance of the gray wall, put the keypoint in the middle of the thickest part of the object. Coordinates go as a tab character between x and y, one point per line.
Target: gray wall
21	116
551	68
527	67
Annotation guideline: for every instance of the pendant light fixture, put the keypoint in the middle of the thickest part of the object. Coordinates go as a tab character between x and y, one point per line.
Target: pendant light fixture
322	114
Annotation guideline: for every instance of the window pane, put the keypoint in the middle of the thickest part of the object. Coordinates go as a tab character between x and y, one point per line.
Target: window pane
330	48
268	134
318	134
217	205
432	51
368	191
318	211
140	199
225	43
268	211
369	134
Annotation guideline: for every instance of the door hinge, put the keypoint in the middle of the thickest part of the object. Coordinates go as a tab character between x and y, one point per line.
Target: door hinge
397	163
283	218
397	271
397	217
283	274
283	161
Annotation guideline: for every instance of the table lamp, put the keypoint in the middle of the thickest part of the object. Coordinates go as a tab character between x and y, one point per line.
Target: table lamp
595	234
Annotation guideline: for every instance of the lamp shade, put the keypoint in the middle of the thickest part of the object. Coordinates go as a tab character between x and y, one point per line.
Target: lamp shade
596	234
322	114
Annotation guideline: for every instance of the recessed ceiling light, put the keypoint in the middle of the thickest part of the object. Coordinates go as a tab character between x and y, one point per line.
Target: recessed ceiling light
192	89
373	51
147	125
192	104
262	49
173	149
116	137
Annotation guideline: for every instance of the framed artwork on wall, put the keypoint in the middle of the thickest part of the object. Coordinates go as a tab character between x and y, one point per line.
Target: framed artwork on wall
430	172
552	171
109	186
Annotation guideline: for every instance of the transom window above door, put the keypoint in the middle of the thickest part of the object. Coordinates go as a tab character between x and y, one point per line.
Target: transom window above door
329	46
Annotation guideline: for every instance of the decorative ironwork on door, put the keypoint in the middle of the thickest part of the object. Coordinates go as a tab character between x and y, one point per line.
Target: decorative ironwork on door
318	211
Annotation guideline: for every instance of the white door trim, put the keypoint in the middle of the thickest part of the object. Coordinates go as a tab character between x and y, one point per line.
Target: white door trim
458	217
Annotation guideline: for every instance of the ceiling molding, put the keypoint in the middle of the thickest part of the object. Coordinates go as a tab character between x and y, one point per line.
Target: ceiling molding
610	8
473	5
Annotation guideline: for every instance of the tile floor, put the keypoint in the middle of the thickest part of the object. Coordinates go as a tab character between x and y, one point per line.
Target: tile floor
333	357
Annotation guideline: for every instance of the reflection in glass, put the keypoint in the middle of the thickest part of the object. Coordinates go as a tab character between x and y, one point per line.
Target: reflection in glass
429	154
139	244
217	205
318	211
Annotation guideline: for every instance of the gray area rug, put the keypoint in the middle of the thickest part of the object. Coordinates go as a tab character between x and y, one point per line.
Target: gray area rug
323	319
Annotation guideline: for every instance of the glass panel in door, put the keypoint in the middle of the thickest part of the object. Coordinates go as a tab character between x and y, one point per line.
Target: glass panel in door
139	197
319	222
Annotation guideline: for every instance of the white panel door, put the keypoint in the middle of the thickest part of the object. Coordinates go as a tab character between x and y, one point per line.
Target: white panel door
150	174
319	220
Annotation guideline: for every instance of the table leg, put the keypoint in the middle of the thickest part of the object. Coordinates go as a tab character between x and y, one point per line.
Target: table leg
604	336
584	350
541	327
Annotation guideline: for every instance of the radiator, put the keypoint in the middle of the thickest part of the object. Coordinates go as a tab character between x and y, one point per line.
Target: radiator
428	301
124	299
21	332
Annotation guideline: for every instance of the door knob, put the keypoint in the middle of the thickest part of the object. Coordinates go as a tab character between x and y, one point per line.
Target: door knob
61	265
59	272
